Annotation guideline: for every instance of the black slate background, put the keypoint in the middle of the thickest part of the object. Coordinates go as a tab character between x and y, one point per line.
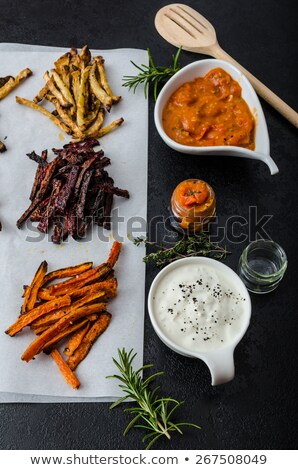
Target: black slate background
258	409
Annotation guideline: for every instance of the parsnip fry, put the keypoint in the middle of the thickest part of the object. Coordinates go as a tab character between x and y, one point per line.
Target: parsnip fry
81	110
97	329
67	373
97	89
41	94
63	113
75	84
44	111
76	339
37	312
104	81
55	91
105	130
14	82
63	88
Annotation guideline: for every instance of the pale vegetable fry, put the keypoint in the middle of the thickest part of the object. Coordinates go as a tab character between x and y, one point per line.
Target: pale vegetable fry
44	111
79	90
14	82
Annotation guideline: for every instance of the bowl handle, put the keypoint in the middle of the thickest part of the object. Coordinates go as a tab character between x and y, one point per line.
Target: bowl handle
221	366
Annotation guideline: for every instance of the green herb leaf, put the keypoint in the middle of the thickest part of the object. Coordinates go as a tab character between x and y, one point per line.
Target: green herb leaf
152	74
151	413
196	245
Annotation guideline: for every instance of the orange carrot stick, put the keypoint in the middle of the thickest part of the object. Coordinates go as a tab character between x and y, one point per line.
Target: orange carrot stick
76	339
95	331
67	373
37	312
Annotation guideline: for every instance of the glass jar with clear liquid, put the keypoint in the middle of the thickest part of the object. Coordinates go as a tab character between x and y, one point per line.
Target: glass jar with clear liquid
262	266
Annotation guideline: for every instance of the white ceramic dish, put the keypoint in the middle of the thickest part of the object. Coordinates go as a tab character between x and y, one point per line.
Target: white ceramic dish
220	361
199	69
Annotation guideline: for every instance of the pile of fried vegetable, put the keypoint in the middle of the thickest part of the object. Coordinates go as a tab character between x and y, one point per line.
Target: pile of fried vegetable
9	83
72	191
75	309
79	90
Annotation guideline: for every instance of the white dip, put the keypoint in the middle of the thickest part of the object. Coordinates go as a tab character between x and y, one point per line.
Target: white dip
198	308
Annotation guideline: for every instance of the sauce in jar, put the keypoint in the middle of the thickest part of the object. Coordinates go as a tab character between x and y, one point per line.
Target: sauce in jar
209	111
193	205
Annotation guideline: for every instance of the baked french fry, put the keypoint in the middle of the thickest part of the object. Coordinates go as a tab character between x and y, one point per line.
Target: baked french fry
66	332
37	312
103	79
114	253
81	108
97	329
97	89
63	88
70	271
45	112
110	288
14	82
67	373
58	289
75	314
105	130
52	317
41	94
55	91
76	339
37	282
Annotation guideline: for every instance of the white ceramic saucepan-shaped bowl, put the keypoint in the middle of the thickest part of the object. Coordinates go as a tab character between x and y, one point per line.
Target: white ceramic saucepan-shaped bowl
199	69
219	359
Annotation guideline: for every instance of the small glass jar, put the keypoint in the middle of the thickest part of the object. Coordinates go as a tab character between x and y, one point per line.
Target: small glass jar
262	266
193	205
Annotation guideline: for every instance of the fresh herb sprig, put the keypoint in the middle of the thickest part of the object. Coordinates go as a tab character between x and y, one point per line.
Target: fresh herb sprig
196	245
151	413
152	74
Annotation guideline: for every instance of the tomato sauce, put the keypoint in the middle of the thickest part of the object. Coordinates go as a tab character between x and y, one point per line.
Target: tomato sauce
209	111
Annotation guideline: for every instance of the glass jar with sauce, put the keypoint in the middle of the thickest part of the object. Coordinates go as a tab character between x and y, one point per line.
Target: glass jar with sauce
193	205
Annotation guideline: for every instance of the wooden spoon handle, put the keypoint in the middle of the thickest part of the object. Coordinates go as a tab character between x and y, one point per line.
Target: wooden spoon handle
260	88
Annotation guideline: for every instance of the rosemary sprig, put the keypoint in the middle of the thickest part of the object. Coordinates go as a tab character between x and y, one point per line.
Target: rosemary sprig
152	74
196	245
151	413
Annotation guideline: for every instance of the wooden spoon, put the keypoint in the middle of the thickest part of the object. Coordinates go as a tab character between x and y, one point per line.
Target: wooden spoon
183	26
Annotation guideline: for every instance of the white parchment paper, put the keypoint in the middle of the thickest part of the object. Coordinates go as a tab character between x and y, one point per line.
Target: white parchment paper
21	251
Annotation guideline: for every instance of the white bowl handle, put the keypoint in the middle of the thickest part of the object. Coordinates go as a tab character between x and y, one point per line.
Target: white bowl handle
221	366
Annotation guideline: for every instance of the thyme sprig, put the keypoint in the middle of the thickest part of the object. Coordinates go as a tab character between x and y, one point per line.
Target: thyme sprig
151	413
195	245
152	74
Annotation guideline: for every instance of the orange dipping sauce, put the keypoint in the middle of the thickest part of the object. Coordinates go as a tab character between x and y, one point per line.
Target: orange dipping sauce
209	111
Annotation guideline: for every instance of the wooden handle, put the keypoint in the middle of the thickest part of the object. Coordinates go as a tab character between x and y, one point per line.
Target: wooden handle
260	88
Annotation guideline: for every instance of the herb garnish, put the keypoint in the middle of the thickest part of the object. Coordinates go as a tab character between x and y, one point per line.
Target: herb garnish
152	74
154	413
196	245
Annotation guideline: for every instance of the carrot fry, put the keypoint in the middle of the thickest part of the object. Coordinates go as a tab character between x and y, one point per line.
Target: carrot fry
109	287
37	312
67	331
43	294
95	331
76	339
51	318
75	313
35	285
114	253
67	272
67	373
69	286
